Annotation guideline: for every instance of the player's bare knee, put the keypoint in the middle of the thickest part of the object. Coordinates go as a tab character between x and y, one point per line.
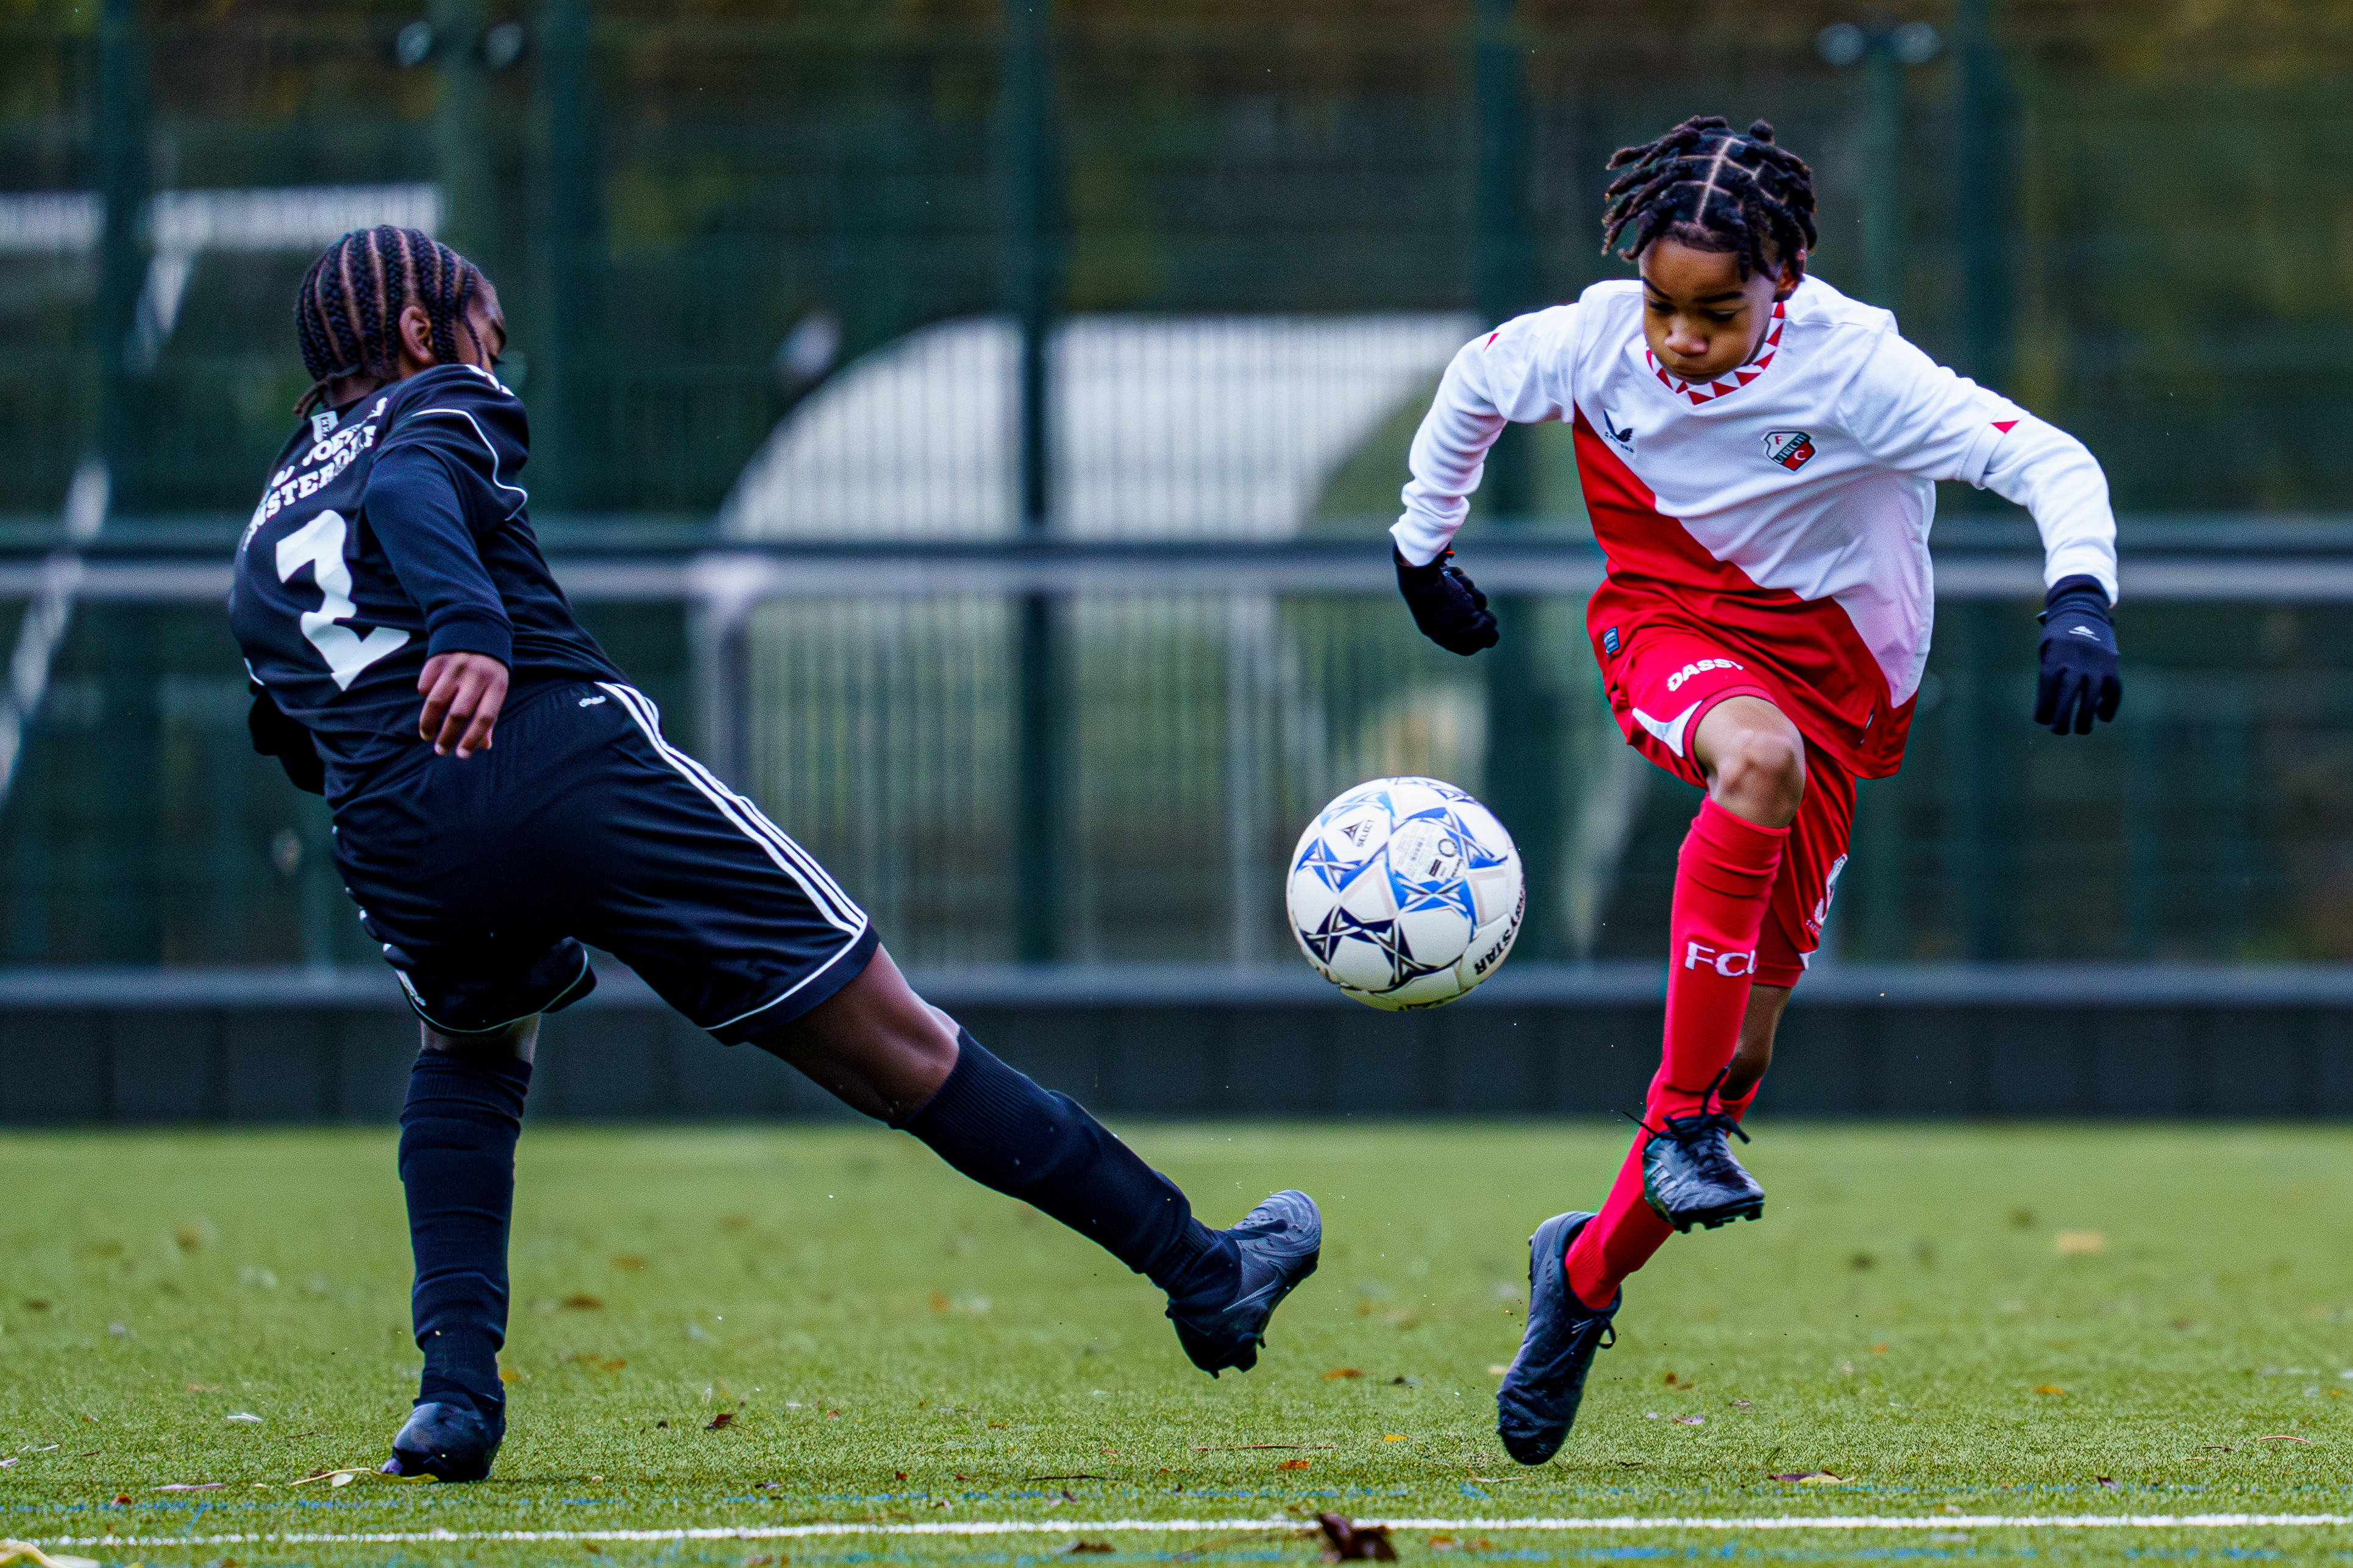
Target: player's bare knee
1760	774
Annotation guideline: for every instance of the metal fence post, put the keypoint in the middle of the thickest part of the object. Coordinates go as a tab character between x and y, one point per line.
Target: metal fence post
120	135
572	265
461	156
1031	175
1987	172
1523	783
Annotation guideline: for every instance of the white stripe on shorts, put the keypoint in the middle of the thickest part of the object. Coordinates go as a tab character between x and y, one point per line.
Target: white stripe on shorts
826	895
755	820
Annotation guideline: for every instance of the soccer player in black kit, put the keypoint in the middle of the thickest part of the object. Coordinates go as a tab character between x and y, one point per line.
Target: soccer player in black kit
397	616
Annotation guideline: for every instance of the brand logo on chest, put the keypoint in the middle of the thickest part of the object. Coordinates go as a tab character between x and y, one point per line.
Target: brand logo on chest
1793	449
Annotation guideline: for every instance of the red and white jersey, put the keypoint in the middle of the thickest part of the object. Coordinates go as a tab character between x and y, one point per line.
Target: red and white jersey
1784	507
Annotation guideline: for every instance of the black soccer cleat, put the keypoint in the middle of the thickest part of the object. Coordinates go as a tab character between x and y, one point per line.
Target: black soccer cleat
1537	1404
1690	1177
1278	1244
448	1442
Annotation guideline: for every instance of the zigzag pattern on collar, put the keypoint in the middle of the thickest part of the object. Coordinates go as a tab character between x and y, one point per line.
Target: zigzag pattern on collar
1740	377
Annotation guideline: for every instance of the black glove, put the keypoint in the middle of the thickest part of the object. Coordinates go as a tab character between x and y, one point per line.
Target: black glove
2079	658
276	735
1446	606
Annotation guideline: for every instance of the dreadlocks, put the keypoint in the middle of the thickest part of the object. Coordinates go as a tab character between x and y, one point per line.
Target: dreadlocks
1702	185
347	314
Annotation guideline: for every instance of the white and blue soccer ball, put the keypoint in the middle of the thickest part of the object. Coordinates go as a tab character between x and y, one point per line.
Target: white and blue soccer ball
1405	894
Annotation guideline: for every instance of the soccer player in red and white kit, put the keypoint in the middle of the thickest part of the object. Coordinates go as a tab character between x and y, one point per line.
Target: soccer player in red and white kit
1758	454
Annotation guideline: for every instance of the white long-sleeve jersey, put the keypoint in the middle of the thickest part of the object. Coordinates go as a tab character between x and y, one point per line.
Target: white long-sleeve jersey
1784	507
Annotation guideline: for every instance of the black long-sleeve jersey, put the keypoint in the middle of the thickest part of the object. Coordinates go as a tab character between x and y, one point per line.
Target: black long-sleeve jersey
393	530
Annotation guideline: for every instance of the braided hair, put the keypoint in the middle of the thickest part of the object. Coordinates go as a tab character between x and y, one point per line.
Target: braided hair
1703	186
347	314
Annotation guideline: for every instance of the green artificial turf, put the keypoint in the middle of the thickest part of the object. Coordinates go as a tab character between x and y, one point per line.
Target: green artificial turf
1986	1320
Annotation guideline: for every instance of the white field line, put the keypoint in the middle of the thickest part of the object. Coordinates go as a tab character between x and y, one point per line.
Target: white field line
1199	1526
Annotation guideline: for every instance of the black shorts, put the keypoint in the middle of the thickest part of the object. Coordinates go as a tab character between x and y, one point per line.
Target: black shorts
483	877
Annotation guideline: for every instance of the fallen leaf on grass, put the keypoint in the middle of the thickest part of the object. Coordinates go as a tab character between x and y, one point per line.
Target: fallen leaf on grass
193	1487
2078	1243
123	1499
590	1358
342	1478
2108	1481
14	1552
1345	1540
1077	1546
2048	1388
2283	1438
723	1419
1742	1404
1812	1477
581	1302
1295	1464
1393	1438
1340	1371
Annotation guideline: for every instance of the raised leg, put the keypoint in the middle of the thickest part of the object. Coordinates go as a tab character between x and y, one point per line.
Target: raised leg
885	1051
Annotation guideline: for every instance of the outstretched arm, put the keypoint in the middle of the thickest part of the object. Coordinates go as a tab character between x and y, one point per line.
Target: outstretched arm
1916	415
1494	379
2055	478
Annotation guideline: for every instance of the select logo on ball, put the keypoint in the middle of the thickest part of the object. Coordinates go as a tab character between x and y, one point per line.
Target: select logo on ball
1405	893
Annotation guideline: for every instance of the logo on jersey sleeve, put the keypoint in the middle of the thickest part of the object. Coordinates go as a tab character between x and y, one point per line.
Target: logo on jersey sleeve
1793	449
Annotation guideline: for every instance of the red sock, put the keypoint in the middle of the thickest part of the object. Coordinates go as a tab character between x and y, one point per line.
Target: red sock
1724	881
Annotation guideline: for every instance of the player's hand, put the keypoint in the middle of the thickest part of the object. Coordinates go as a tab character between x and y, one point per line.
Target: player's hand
2079	659
462	694
1446	604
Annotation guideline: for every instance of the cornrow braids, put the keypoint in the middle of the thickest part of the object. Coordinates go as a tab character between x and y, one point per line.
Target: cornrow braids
347	313
1707	187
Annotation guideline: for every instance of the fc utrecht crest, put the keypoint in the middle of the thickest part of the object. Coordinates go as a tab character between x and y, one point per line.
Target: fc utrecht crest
1791	448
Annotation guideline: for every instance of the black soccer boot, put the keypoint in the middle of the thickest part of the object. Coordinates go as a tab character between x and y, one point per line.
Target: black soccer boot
1690	1177
448	1442
1278	1244
1537	1404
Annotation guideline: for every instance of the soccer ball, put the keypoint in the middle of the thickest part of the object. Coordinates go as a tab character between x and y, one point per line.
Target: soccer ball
1405	894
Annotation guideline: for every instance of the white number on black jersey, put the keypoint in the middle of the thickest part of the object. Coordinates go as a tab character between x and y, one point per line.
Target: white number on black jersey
318	544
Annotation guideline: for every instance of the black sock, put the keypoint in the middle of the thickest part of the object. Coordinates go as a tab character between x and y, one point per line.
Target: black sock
458	1138
998	1127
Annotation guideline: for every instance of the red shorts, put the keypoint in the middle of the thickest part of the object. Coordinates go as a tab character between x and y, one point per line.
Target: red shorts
1662	682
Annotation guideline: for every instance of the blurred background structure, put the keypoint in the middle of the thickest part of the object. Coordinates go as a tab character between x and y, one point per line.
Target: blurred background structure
976	421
